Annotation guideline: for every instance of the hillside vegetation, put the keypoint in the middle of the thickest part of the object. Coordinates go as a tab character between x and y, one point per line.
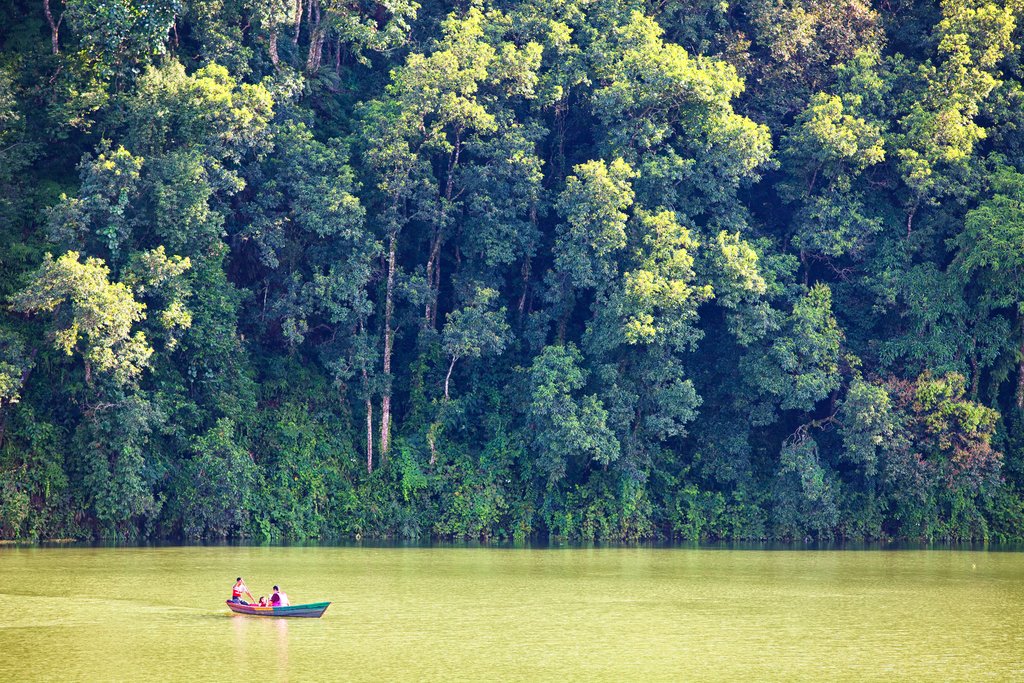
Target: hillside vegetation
592	269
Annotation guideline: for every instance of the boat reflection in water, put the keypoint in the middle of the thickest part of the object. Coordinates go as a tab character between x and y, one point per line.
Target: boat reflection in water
250	634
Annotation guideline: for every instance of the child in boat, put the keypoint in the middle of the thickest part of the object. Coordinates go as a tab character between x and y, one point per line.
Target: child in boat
263	601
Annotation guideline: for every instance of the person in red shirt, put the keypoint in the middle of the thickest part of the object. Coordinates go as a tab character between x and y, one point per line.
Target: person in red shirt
239	590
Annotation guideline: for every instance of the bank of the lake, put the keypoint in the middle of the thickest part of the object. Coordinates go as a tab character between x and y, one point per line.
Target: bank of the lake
514	614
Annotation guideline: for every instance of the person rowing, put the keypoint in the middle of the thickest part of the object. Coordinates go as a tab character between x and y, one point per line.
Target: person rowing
239	590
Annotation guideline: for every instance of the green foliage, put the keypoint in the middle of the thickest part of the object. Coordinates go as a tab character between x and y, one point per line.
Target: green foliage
870	425
660	298
34	468
15	364
805	491
113	454
698	515
600	270
828	148
801	366
474	331
940	127
795	47
218	486
14	506
570	430
93	317
121	32
593	203
990	244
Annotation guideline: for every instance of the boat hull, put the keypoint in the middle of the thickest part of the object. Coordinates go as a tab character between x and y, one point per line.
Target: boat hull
313	610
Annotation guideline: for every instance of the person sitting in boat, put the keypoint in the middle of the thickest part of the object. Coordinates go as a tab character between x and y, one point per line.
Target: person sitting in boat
263	601
278	599
238	591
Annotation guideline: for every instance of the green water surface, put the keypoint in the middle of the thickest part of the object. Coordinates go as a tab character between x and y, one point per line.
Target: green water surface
473	614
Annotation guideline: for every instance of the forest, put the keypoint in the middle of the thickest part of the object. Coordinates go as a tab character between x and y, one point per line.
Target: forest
593	270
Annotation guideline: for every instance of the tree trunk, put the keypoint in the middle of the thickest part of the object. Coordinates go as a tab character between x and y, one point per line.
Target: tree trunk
389	308
1020	379
316	47
910	215
298	21
433	279
369	411
974	374
273	46
525	272
1020	365
54	27
369	431
448	377
558	156
434	261
527	268
317	35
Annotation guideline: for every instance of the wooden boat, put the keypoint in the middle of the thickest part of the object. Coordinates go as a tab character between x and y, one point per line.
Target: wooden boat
313	610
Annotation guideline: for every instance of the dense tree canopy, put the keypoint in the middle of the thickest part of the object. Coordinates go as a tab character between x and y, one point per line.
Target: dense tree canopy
610	270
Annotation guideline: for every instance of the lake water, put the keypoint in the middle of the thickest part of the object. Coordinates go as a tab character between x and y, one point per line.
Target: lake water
472	614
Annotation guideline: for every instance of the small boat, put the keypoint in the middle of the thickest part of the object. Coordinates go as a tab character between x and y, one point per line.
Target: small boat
313	610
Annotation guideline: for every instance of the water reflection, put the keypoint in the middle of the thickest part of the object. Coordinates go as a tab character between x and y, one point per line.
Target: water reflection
537	544
281	624
260	643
